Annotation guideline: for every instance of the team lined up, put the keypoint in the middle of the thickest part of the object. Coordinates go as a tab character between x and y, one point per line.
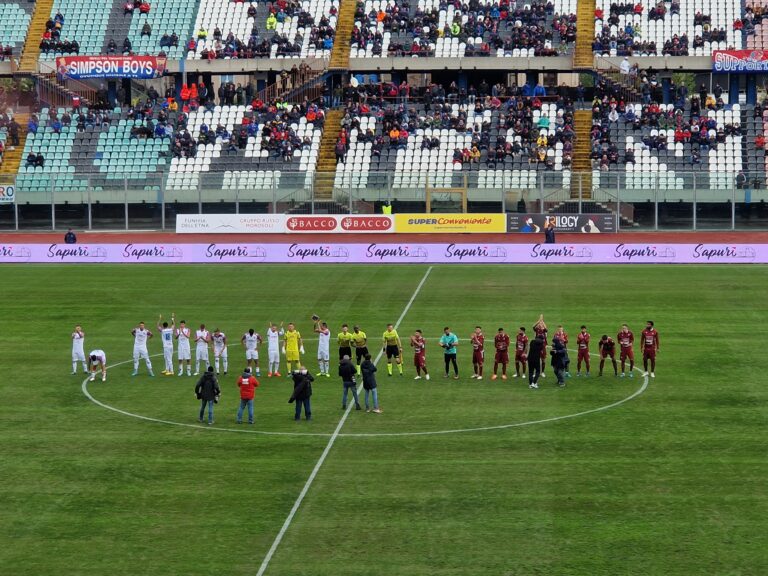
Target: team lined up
530	355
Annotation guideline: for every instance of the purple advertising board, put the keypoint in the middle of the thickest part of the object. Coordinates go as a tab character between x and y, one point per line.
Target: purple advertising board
384	253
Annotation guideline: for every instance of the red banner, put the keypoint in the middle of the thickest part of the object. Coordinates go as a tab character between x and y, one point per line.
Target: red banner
739	61
83	67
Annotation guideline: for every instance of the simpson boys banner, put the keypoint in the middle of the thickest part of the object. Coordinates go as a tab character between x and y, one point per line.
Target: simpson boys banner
739	61
386	253
83	67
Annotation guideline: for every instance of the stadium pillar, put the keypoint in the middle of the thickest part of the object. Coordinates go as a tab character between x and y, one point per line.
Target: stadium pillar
733	88
462	81
751	89
179	79
532	78
112	92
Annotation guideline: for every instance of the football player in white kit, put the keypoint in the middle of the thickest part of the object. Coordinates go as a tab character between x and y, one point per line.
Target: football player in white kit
78	354
220	350
98	359
140	337
323	348
183	333
273	349
166	337
202	338
251	341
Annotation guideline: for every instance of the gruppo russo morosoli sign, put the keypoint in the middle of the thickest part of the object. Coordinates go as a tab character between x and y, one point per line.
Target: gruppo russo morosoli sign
84	67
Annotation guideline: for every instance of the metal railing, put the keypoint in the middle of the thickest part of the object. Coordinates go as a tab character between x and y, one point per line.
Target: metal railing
640	201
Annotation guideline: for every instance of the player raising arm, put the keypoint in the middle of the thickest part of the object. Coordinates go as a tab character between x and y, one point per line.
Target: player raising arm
540	330
184	353
220	350
251	340
166	337
393	348
607	347
323	348
626	344
650	339
140	337
273	349
521	349
202	339
97	359
419	345
478	352
78	353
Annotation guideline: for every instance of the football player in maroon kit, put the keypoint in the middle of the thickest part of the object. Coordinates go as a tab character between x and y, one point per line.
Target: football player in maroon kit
582	345
478	352
607	347
650	339
521	347
419	345
501	343
540	329
626	347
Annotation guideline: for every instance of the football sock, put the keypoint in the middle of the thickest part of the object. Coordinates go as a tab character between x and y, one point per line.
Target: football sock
400	368
226	364
389	368
74	366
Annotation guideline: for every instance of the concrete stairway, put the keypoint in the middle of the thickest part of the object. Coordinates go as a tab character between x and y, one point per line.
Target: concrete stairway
583	59
345	20
12	158
582	165
326	161
31	52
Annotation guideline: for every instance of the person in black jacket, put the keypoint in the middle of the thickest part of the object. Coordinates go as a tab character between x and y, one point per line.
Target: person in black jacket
559	356
207	391
302	392
69	237
368	369
347	371
534	361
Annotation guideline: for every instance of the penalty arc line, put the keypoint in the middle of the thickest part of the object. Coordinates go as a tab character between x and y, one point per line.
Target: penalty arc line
331	442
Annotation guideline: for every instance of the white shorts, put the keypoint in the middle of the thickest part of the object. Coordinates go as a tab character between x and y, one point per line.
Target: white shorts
78	356
201	353
219	352
140	353
274	356
251	354
184	353
323	355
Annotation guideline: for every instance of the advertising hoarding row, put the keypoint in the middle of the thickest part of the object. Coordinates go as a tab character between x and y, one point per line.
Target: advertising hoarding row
375	253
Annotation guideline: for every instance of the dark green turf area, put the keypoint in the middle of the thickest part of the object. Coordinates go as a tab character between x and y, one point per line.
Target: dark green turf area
673	482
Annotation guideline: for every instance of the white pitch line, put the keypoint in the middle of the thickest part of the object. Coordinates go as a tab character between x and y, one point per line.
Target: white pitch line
331	442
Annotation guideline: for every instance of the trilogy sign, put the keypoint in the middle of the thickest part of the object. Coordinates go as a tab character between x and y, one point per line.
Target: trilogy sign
578	223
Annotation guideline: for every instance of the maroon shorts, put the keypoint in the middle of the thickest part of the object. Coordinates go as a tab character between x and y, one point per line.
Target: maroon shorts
605	354
521	357
627	353
478	356
419	360
649	353
583	354
544	352
502	356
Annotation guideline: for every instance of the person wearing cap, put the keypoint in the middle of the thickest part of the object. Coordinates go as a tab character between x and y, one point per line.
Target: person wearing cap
302	392
347	373
207	391
247	384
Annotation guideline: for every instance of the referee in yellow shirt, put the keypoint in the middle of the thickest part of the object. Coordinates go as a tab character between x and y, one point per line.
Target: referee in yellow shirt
393	348
360	344
345	342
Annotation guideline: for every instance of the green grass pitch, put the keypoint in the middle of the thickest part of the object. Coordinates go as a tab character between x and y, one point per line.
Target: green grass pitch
672	482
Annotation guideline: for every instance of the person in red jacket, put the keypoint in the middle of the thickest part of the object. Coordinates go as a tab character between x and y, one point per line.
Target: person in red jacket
247	384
